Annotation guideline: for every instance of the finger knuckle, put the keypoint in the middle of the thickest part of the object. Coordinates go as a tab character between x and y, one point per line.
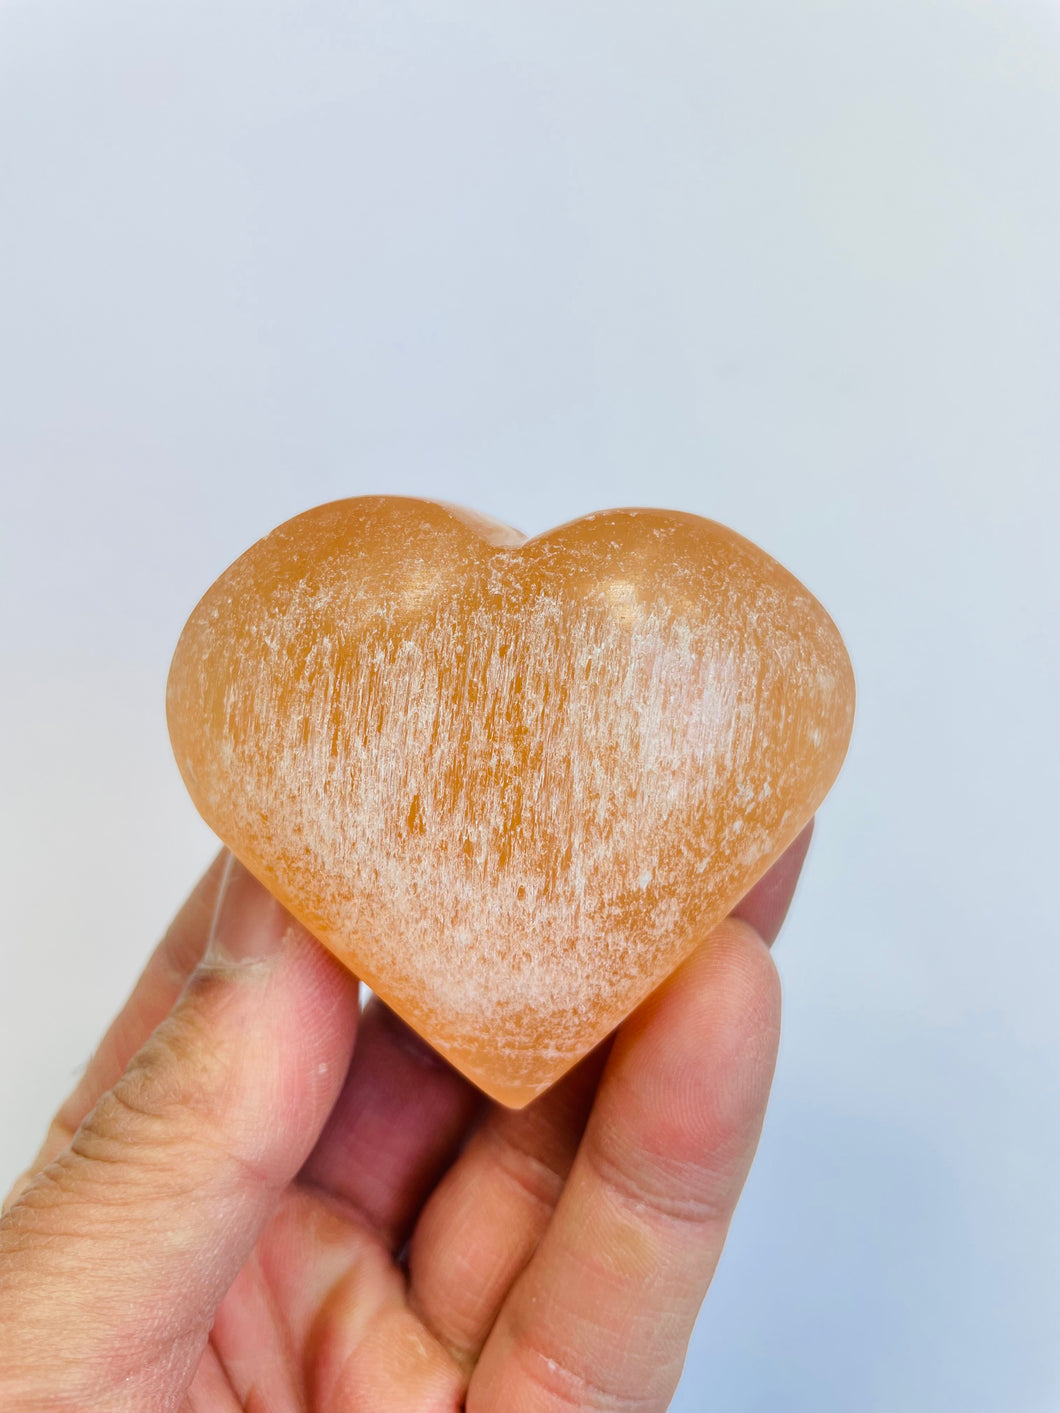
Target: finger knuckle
565	1386
652	1185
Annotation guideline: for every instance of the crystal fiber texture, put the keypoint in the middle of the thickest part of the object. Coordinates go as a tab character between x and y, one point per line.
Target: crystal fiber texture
510	783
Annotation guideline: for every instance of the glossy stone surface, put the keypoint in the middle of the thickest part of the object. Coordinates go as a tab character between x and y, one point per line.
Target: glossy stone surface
511	783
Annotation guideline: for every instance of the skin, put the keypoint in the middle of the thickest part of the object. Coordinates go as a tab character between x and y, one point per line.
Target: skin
238	1208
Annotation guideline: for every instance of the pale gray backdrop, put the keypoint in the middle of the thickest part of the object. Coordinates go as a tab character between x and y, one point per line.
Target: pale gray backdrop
785	263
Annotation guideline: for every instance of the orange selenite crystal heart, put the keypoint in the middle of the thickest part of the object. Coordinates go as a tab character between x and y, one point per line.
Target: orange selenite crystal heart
510	783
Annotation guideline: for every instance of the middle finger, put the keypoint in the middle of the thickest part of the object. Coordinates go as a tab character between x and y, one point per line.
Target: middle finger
484	1221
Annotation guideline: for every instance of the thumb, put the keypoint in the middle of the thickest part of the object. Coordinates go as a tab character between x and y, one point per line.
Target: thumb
114	1258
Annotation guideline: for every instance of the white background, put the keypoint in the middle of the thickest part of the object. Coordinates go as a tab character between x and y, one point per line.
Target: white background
790	265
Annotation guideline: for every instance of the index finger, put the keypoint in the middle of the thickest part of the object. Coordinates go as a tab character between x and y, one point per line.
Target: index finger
601	1316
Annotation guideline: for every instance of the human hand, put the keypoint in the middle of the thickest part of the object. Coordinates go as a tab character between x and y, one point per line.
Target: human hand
238	1209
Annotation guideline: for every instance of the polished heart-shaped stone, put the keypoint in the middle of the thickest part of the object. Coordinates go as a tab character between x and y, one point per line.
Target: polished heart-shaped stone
510	783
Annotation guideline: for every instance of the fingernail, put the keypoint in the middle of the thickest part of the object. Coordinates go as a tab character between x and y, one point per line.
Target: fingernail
248	923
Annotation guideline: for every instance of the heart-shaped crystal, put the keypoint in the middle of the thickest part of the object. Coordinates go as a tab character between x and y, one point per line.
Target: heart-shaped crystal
510	783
